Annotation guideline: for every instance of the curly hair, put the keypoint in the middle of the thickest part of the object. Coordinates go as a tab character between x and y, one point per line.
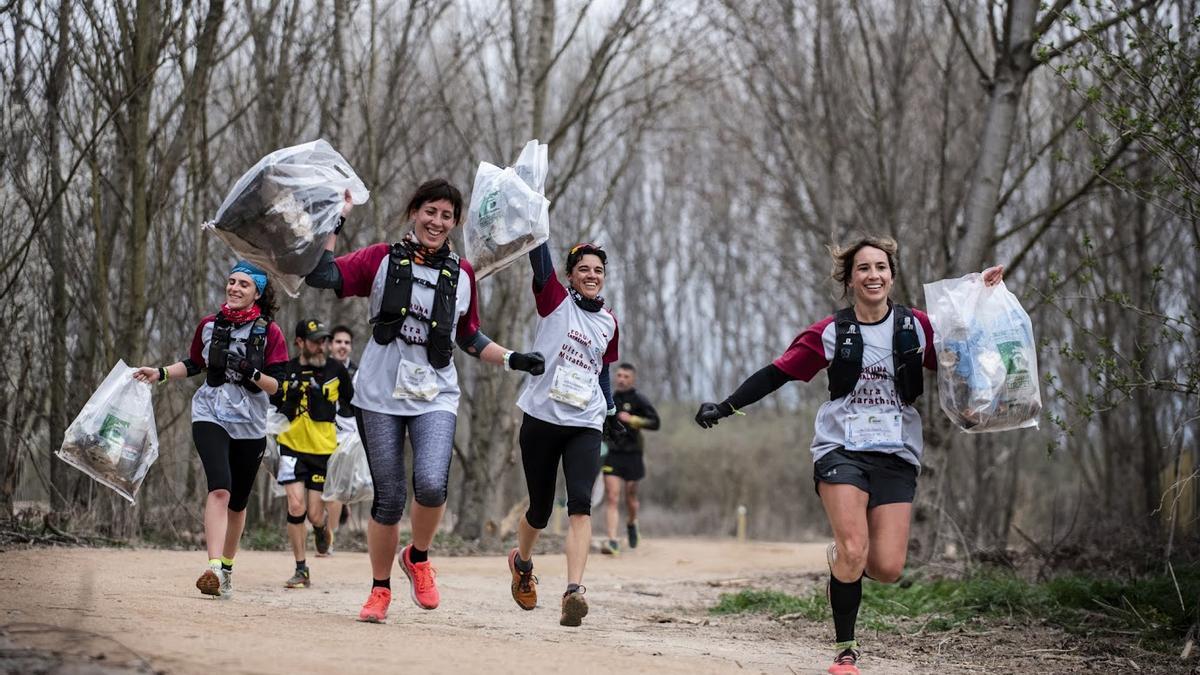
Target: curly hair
843	257
266	301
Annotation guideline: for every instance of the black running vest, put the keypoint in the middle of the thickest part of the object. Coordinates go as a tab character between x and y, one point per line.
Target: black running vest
848	354
397	299
222	338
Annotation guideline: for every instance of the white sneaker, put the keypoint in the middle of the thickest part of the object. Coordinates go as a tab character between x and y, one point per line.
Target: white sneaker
226	577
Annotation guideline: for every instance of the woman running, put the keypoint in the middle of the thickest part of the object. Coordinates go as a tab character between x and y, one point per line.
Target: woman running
423	301
564	414
868	444
245	354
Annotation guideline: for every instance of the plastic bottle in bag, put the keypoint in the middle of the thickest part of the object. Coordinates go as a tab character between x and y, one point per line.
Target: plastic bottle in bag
508	215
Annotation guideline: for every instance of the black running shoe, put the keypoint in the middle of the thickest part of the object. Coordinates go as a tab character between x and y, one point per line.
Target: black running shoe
632	532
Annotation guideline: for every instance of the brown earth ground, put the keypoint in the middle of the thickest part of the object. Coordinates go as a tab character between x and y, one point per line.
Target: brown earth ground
79	610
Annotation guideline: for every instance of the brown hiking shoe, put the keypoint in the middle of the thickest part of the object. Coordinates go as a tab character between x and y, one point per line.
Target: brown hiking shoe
574	608
524	584
209	583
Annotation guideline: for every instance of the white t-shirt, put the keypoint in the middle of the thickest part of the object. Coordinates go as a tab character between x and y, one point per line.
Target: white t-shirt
576	343
871	417
242	414
396	379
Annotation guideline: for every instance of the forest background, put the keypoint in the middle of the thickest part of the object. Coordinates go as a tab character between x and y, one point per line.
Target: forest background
715	149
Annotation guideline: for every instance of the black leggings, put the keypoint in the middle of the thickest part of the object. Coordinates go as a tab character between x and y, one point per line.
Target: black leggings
229	463
542	445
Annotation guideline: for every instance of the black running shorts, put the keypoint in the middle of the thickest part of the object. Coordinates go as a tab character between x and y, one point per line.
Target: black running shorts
624	465
302	466
885	477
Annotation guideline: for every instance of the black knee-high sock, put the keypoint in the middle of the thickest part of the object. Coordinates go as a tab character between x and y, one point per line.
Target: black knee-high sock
844	599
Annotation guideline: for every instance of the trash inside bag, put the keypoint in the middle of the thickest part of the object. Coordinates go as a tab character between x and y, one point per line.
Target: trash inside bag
113	439
348	476
987	357
509	214
280	213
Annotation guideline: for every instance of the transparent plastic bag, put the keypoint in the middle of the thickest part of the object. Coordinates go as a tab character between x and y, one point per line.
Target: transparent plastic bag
348	476
271	463
280	212
509	214
987	357
114	439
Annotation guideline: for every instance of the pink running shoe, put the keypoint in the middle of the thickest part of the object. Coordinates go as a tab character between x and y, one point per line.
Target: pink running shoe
376	606
422	580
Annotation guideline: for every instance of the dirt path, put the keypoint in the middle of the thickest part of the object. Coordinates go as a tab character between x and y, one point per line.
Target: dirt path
648	615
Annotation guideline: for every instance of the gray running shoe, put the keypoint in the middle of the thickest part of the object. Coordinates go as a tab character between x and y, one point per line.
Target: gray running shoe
299	580
226	584
209	582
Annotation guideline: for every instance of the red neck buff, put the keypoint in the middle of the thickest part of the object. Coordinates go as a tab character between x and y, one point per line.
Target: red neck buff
240	316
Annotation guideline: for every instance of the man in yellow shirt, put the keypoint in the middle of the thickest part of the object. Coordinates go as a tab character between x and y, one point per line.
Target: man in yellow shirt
314	392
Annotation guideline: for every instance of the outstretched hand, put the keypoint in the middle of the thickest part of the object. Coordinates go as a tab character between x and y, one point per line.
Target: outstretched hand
709	415
146	374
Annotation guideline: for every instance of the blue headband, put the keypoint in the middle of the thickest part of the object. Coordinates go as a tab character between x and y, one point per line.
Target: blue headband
259	276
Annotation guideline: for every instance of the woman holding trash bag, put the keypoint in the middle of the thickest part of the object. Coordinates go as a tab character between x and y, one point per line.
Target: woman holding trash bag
423	301
564	414
244	354
867	445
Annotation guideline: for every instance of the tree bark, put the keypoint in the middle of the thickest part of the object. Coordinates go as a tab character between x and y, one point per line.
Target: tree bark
60	473
1013	64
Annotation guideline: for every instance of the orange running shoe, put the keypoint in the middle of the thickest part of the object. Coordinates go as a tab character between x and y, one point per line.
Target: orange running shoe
374	610
209	583
846	662
524	584
421	580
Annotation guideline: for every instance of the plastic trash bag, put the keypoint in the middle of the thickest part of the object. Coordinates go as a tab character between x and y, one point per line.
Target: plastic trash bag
280	212
348	476
509	214
987	357
271	463
114	439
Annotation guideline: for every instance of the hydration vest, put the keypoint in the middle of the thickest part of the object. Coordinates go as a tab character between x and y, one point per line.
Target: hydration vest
318	406
397	298
222	338
848	355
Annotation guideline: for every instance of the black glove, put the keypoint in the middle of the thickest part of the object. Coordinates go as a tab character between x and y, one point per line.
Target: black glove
710	414
294	391
532	362
241	365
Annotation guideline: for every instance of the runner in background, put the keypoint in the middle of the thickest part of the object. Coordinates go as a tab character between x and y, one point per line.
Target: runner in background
243	353
624	465
341	347
315	392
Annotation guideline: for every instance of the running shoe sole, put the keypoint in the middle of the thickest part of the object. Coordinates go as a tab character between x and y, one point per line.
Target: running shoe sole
209	583
573	610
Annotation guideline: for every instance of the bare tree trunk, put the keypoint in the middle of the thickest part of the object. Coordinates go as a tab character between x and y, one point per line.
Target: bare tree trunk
492	429
59	472
1014	61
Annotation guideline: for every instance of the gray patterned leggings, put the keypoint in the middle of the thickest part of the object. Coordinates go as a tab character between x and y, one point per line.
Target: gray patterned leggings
433	445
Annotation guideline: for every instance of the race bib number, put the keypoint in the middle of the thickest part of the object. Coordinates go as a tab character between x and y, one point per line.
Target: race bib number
414	381
873	430
572	386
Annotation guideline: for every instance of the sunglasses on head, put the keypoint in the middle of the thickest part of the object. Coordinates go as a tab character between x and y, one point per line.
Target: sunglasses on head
585	247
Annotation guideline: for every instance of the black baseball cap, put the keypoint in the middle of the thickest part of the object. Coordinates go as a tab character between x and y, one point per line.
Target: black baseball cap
311	329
